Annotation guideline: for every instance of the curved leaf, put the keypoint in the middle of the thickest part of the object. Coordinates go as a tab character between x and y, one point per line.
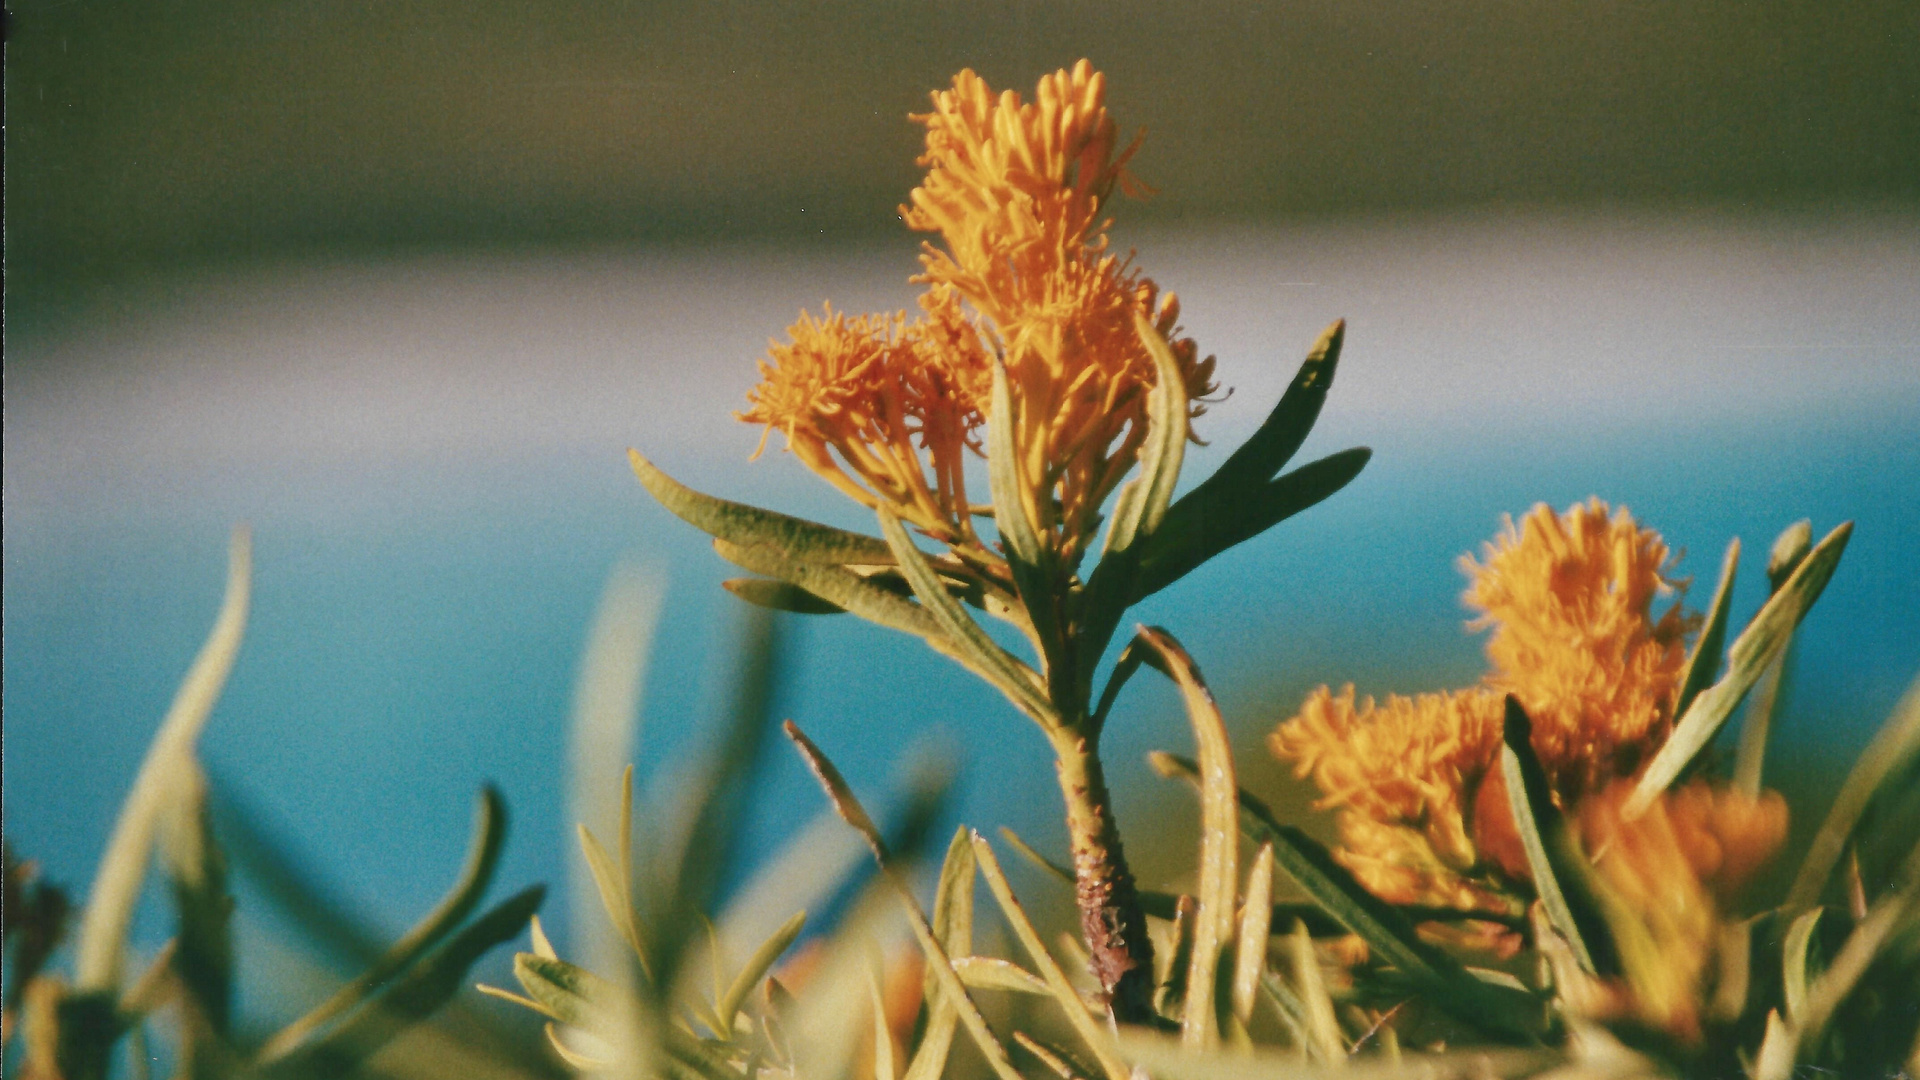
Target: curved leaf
780	596
796	538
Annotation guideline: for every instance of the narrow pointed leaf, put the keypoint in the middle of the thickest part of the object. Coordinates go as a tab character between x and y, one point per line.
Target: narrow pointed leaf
1323	1031
755	970
412	997
197	872
993	973
1764	639
839	586
101	940
1160	458
855	815
1385	929
746	526
953	928
780	596
614	895
1185	542
1557	880
1704	665
1090	1033
1250	946
1003	472
1280	436
978	651
1796	959
483	855
1219	837
1893	754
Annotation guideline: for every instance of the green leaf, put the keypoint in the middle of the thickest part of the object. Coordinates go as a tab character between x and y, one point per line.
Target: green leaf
977	651
1090	1033
616	897
840	586
953	928
1385	929
1219	837
1186	540
483	855
1028	560
1165	1059
203	954
848	807
1764	639
423	989
1749	760
756	969
1256	925
1795	962
1558	879
1893	754
780	596
747	526
1704	665
101	940
1165	446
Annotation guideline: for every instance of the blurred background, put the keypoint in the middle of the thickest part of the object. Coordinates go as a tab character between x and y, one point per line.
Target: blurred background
397	283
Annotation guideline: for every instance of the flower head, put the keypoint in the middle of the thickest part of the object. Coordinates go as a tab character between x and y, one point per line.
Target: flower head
1424	812
1016	192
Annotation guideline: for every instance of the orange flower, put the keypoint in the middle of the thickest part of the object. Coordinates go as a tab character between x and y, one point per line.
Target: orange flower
1570	599
1424	814
1016	191
877	390
1669	877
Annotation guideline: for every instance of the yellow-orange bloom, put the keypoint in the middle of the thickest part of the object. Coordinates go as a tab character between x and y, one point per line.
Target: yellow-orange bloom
1669	877
1015	190
877	390
1568	597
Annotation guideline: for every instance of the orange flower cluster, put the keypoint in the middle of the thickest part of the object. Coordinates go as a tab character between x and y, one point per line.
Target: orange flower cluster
1671	876
1423	808
1016	191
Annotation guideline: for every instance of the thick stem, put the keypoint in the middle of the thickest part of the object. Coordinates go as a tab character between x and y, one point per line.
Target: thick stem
1111	921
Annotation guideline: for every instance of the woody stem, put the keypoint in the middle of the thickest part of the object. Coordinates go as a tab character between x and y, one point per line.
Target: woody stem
1111	921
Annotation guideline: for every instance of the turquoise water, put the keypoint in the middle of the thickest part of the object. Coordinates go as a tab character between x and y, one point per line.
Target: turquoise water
433	526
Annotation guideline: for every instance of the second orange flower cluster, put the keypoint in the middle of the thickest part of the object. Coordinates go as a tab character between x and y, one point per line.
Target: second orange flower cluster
1423	809
1015	191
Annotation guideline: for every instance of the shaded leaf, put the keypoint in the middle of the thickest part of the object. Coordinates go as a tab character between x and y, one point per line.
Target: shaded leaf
1704	665
1893	753
841	587
1558	878
483	855
1184	543
424	988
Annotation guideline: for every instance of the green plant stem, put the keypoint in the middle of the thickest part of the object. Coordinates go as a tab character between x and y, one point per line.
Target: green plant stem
1111	920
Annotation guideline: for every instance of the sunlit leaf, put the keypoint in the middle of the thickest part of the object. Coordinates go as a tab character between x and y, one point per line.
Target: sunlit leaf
855	815
748	526
780	596
117	882
1757	646
1219	837
1090	1033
